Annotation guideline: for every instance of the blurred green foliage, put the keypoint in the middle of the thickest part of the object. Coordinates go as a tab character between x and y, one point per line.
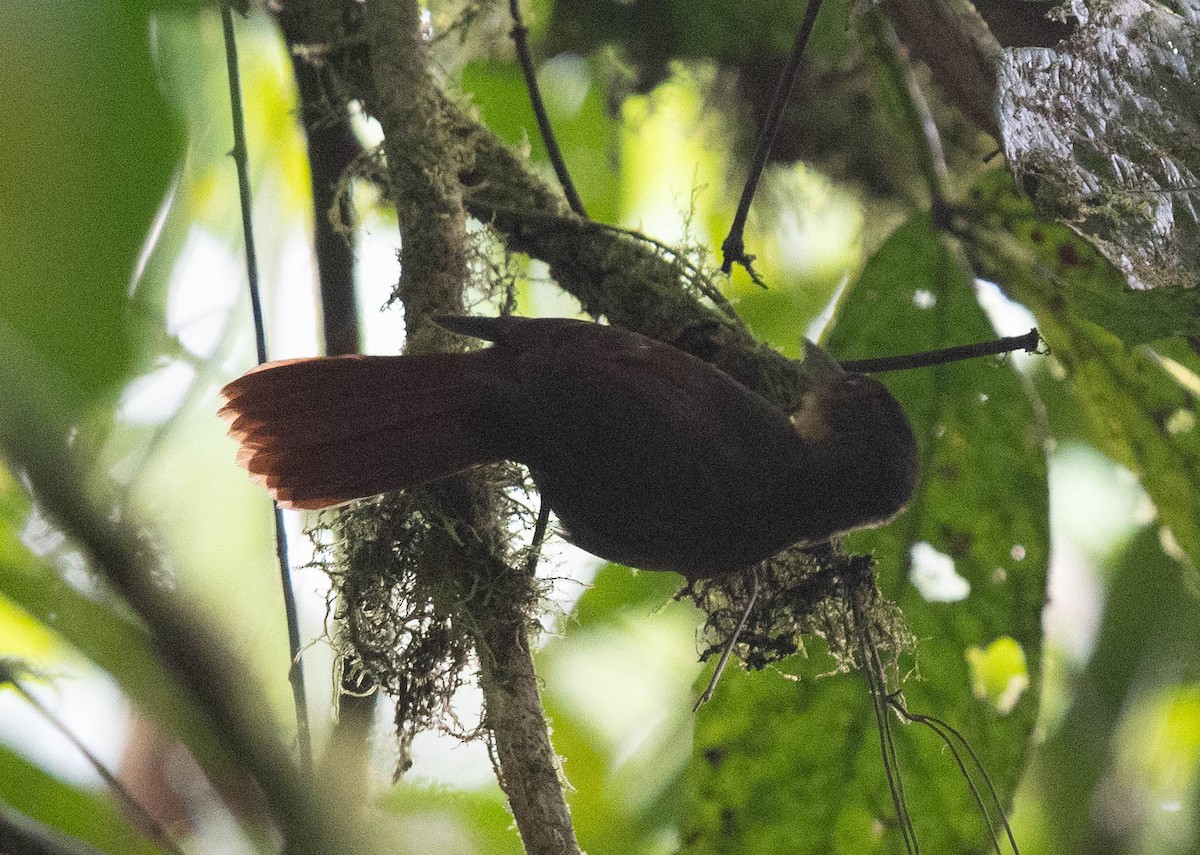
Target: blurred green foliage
89	148
95	818
1093	779
106	102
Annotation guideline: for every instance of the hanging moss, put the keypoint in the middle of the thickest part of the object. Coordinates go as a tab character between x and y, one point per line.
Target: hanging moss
816	592
406	598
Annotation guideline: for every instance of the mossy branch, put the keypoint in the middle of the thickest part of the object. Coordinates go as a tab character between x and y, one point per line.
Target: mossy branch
425	161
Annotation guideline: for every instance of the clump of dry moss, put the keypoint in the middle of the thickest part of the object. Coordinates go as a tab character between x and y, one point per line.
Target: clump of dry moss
411	580
818	592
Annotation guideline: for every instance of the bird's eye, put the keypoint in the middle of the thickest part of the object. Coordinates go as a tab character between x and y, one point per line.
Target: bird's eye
859	384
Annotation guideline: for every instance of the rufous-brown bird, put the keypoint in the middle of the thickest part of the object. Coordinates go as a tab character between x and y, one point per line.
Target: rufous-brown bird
648	456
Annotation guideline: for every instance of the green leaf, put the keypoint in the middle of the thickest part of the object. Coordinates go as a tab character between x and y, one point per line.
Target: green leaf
1131	407
92	817
618	591
1011	233
783	766
89	150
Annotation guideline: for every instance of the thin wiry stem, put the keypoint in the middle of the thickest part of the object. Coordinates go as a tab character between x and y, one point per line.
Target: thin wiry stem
241	160
877	686
915	111
734	246
728	651
520	36
151	826
948	734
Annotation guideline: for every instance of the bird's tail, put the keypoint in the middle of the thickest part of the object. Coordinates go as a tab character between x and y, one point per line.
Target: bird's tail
320	432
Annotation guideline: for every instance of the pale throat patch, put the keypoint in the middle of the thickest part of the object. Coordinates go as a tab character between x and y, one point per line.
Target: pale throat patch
809	420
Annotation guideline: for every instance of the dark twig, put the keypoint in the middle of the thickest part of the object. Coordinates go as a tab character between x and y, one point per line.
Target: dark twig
728	651
539	536
734	247
520	36
241	159
1028	343
332	148
149	825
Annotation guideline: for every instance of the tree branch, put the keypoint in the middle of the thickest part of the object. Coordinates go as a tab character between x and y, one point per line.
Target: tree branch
952	39
613	274
423	165
421	162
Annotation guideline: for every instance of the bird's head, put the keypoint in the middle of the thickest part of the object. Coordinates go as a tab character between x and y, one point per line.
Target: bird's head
860	437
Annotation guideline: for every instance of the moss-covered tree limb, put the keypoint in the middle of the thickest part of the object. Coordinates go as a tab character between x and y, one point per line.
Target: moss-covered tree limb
499	613
424	163
612	273
630	282
422	166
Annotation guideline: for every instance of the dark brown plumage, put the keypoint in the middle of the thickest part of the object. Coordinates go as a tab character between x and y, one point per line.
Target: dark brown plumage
647	455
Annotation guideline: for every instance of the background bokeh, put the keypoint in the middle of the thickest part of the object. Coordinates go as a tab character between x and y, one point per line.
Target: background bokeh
115	171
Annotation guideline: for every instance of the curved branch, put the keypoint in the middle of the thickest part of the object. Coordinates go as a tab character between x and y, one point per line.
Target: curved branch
611	273
520	37
734	246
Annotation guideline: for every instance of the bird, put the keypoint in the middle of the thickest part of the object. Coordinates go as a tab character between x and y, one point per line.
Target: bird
647	455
